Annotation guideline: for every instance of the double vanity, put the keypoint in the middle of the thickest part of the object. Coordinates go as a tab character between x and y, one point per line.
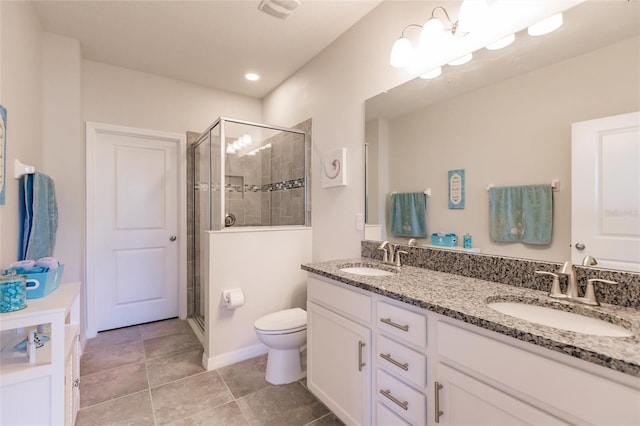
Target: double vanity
414	346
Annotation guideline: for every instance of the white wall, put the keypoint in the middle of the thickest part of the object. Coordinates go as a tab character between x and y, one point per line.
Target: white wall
115	95
265	264
515	132
64	147
22	96
332	89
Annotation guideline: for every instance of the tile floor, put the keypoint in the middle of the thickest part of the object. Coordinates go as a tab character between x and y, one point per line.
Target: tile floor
151	374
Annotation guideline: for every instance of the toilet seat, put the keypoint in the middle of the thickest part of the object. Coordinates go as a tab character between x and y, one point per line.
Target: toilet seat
282	322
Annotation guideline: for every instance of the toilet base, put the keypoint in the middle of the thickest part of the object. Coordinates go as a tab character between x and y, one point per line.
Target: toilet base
284	366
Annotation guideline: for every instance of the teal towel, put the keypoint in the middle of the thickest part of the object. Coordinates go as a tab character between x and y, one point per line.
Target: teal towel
41	218
521	214
408	215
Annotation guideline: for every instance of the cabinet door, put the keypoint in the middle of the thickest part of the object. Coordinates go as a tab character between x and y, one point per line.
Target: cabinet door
464	400
339	364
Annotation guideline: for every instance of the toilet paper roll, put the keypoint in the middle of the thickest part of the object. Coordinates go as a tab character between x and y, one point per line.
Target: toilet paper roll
233	298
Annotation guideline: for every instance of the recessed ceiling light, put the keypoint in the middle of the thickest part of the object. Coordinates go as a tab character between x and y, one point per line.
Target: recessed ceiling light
252	76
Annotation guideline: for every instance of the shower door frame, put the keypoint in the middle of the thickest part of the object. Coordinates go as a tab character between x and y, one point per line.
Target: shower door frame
221	121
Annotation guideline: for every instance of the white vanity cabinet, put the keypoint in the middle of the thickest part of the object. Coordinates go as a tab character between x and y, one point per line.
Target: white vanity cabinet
339	350
423	368
44	392
505	381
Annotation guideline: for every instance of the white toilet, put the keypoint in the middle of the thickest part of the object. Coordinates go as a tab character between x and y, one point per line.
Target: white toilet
284	333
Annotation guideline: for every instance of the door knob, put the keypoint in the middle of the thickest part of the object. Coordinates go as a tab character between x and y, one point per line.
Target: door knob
172	238
580	246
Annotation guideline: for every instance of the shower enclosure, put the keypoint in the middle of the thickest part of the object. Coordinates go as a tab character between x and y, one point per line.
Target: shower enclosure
242	174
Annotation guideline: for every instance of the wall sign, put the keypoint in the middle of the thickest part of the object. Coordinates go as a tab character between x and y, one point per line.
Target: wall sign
456	189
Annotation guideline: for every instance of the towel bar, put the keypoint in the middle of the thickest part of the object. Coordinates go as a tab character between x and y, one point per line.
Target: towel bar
21	169
555	185
427	192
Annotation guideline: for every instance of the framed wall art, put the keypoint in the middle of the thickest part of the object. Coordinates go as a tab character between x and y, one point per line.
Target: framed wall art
456	189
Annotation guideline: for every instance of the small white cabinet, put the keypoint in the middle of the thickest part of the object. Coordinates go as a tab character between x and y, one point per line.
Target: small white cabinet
338	353
44	392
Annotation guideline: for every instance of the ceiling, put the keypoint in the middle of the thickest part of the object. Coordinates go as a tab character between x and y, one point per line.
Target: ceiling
212	43
587	26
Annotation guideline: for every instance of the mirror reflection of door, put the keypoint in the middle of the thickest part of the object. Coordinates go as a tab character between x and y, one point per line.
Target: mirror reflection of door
605	200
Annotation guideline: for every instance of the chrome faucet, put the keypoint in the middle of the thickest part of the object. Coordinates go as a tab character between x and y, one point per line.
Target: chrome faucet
391	254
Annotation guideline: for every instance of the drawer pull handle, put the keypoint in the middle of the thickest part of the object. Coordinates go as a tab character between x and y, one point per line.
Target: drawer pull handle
393	324
387	357
387	393
436	392
361	364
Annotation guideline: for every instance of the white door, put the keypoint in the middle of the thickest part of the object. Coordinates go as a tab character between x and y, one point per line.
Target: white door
605	200
133	210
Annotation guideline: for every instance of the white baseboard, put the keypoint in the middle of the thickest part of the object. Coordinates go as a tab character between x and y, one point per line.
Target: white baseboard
228	358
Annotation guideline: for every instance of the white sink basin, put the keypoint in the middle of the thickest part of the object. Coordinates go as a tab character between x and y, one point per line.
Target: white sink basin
560	319
367	270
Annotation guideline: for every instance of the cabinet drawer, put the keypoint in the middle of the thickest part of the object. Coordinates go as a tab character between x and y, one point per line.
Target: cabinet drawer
347	302
402	323
402	361
386	417
401	398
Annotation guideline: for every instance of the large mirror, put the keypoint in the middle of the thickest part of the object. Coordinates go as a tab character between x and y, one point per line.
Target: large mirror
505	119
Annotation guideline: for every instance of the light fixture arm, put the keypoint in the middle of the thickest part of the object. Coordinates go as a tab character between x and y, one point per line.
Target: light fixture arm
409	26
454	25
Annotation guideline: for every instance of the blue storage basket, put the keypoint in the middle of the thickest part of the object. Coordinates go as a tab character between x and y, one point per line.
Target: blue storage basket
41	284
444	240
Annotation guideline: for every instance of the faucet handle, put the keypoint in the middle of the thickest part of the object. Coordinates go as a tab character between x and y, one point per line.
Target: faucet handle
589	261
590	297
398	253
555	291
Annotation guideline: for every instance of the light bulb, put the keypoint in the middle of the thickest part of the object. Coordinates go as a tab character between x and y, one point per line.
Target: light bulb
230	150
471	16
247	139
462	60
546	26
252	76
401	53
432	74
432	32
503	42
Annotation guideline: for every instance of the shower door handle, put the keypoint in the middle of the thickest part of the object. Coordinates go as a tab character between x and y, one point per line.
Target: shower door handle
172	238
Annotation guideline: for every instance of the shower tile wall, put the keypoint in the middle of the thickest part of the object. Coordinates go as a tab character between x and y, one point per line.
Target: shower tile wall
273	189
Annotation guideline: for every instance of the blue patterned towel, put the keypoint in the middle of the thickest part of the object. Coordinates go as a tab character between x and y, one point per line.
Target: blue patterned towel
522	214
408	215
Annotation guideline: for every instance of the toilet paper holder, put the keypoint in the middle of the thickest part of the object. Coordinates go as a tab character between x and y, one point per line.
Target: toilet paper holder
233	298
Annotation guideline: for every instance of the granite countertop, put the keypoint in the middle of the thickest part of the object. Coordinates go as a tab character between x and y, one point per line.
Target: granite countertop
465	299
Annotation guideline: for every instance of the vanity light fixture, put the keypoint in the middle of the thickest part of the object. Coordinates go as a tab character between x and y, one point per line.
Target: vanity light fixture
546	26
502	43
433	33
432	74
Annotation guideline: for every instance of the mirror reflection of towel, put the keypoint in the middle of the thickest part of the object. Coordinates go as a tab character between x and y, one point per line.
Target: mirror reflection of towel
521	214
39	216
408	214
